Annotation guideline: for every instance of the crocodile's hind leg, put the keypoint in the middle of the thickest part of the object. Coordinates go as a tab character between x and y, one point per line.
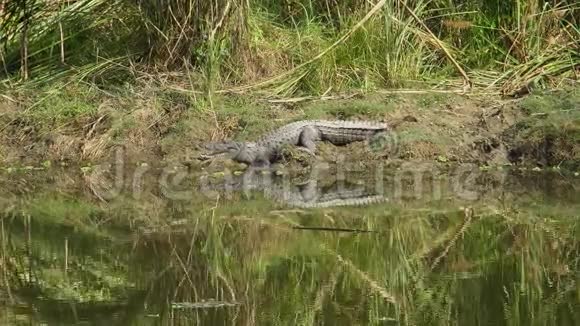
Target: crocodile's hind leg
308	137
385	141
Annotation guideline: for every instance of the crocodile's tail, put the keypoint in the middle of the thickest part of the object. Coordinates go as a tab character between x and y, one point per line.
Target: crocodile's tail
345	132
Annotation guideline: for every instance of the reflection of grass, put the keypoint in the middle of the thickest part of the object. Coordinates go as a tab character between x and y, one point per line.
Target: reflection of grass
93	281
513	260
54	210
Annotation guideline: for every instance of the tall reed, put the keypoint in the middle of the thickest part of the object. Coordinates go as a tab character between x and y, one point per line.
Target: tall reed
291	46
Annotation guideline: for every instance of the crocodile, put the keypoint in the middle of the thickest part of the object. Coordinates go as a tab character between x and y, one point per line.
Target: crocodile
303	134
308	194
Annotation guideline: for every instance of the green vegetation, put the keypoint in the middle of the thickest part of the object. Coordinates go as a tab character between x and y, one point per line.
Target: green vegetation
551	133
83	124
290	46
81	79
515	260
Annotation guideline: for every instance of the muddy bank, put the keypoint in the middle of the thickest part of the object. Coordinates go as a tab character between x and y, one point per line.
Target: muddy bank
84	126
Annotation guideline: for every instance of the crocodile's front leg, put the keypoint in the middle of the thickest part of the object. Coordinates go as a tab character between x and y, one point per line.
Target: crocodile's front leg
261	162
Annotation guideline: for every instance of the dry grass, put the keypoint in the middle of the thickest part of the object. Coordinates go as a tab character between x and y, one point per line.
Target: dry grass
238	45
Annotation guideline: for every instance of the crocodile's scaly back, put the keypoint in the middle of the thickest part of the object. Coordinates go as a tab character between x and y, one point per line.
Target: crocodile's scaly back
305	134
336	132
287	134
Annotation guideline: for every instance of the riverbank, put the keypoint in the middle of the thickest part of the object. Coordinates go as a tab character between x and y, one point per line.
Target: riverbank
83	125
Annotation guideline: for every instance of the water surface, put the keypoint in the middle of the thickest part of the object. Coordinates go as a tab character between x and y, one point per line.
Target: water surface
400	247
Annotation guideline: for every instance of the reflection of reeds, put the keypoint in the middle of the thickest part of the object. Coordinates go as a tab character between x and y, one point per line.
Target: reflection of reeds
239	251
460	231
374	285
5	262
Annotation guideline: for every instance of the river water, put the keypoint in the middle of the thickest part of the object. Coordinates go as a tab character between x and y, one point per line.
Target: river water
417	245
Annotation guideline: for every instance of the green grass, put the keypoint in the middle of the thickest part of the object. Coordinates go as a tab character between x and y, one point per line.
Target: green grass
556	114
64	103
352	109
564	101
291	47
427	101
552	130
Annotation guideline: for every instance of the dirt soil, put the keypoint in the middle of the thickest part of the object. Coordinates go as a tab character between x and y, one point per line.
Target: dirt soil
440	127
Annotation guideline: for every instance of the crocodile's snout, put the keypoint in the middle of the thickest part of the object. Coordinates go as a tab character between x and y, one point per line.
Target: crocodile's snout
222	147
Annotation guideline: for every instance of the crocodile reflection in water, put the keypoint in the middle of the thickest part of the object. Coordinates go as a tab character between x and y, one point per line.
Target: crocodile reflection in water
309	194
